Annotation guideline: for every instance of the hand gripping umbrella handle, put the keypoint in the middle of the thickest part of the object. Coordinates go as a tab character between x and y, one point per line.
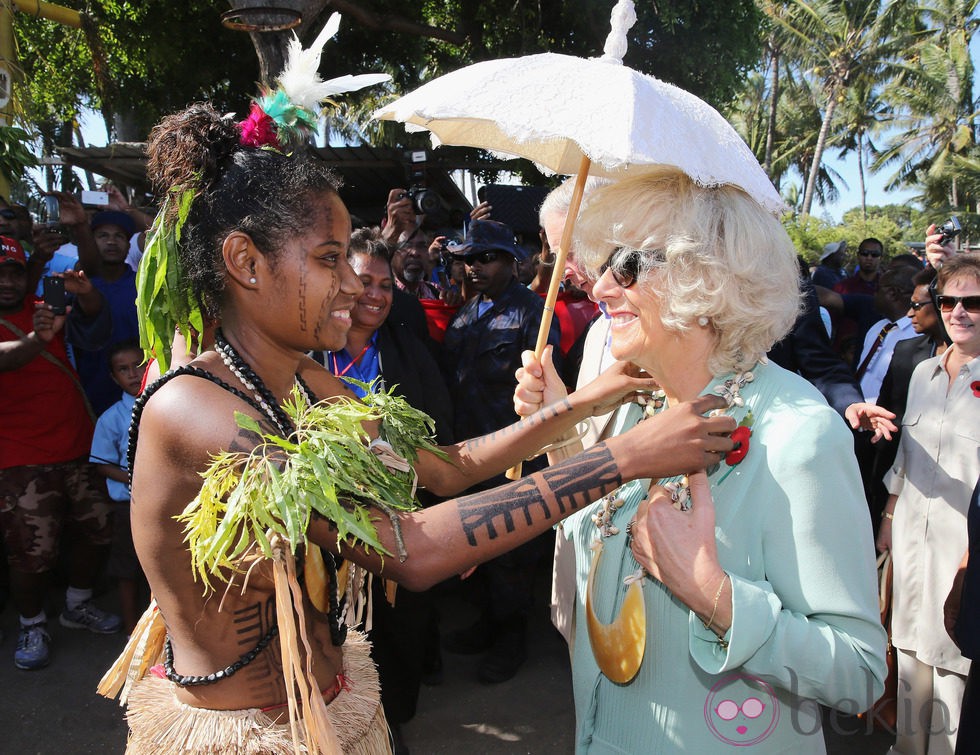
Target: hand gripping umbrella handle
557	275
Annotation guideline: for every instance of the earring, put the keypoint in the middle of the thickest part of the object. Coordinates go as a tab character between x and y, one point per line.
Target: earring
703	321
252	280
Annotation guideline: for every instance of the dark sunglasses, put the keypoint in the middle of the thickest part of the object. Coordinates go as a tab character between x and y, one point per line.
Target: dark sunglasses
624	265
866	253
915	306
484	258
948	303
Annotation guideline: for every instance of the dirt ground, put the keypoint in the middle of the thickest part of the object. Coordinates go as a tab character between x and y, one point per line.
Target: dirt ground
55	711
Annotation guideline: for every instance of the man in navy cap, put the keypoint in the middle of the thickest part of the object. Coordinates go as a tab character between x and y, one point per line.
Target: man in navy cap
482	351
113	276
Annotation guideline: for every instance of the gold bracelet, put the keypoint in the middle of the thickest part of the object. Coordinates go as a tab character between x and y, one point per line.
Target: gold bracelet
886	515
714	610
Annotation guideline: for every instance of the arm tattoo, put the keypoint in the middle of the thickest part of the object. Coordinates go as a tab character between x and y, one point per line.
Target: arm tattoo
572	485
246	440
539	417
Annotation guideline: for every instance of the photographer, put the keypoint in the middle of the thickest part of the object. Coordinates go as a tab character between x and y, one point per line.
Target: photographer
402	233
399	222
45	434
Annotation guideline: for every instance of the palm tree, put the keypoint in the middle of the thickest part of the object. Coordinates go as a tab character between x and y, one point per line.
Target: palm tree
864	114
933	94
785	136
840	40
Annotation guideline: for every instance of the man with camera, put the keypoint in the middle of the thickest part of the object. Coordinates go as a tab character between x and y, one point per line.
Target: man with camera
403	235
45	434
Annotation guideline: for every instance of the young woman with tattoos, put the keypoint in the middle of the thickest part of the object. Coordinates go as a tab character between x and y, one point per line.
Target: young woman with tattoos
264	251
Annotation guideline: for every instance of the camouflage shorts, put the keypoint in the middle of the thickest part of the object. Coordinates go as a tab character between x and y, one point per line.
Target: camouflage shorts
36	500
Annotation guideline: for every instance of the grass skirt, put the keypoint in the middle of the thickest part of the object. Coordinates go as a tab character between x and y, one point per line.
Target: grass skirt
162	725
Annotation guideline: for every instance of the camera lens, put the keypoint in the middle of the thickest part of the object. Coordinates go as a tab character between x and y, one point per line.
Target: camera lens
427	202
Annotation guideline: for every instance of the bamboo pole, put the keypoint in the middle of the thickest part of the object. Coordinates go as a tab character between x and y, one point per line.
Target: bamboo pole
50	11
558	274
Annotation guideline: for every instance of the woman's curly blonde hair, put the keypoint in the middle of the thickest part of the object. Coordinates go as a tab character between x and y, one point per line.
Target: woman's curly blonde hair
709	252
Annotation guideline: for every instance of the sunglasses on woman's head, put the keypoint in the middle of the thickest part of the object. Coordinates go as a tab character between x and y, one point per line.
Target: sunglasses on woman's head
948	303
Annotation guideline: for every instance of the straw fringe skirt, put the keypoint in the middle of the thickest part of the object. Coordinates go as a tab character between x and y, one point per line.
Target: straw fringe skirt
162	725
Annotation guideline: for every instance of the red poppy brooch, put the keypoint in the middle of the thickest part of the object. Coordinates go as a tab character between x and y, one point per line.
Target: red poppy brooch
741	437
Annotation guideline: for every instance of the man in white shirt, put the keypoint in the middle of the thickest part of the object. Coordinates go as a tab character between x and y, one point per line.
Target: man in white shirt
892	300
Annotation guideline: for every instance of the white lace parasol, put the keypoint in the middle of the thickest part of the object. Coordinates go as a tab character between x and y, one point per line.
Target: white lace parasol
554	109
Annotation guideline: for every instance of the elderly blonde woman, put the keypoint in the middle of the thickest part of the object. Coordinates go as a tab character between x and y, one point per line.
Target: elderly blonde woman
717	609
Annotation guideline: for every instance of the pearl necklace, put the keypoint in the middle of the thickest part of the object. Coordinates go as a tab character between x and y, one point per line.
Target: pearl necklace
252	382
618	647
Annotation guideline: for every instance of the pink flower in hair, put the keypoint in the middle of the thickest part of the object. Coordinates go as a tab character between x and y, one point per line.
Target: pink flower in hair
258	130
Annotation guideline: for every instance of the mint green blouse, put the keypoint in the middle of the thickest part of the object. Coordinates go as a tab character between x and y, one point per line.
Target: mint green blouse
794	533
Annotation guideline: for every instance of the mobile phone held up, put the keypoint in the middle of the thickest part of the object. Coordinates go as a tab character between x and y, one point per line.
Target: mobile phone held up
95	198
54	293
52	210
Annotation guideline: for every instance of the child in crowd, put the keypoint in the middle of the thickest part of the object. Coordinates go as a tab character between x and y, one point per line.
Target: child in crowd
109	446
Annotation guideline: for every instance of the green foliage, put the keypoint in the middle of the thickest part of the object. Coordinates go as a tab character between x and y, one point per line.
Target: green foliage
880	225
163	302
15	157
809	234
325	467
141	60
894	225
671	40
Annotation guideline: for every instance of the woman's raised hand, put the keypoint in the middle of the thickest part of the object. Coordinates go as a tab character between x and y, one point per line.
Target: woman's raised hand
538	383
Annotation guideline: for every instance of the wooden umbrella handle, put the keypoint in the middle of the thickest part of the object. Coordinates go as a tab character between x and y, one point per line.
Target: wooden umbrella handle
557	275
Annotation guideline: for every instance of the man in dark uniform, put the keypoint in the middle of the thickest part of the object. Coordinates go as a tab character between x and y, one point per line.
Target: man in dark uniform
482	351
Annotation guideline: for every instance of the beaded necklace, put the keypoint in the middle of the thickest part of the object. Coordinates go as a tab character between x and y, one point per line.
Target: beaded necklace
618	646
252	382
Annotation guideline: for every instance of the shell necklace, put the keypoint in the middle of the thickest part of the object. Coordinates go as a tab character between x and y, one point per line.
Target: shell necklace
243	371
618	646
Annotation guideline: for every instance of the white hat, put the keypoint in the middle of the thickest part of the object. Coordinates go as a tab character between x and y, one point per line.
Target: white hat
832	248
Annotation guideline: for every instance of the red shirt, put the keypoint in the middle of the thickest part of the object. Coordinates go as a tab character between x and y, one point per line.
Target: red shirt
855	284
574	314
43	419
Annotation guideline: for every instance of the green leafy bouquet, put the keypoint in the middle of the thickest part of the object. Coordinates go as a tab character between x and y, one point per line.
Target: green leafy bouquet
328	466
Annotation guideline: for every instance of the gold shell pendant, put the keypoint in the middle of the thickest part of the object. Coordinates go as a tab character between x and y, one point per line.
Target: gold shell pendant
618	646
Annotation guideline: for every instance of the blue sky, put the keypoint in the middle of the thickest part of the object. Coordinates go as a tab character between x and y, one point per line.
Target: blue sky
848	169
851	196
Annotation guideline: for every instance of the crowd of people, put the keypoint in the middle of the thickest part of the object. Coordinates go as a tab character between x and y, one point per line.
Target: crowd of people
720	456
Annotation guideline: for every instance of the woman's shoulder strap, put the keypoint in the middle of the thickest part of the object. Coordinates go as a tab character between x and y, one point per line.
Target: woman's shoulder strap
161	381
